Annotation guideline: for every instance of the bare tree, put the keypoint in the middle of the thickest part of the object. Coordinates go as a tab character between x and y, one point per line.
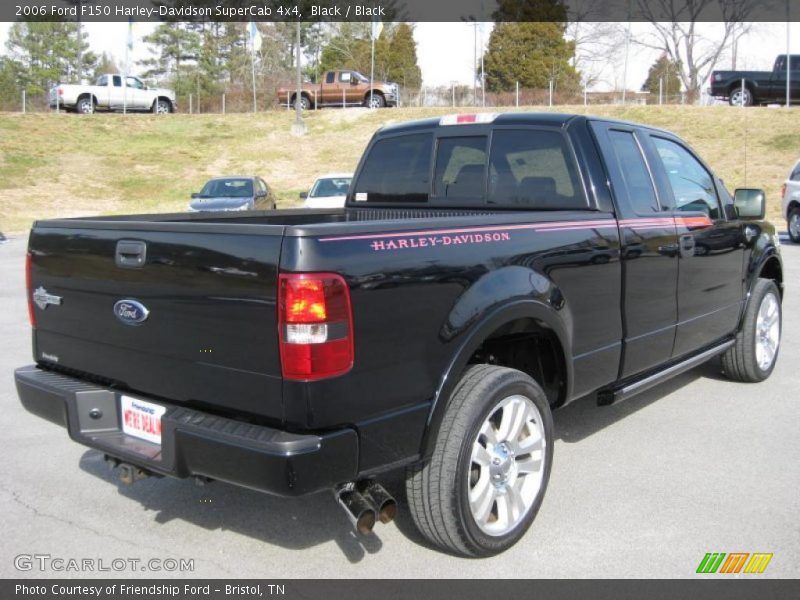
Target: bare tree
675	31
597	44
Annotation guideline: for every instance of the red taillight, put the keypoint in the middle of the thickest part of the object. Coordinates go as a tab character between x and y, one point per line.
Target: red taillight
783	190
60	91
315	325
29	290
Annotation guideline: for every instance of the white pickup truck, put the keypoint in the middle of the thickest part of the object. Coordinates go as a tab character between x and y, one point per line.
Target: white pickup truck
113	92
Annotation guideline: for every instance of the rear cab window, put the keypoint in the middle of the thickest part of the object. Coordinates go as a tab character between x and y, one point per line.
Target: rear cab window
514	168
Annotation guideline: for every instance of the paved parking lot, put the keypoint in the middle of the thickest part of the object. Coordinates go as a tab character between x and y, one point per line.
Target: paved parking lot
642	489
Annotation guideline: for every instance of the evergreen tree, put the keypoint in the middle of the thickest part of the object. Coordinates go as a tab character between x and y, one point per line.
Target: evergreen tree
401	60
47	53
666	70
106	64
532	54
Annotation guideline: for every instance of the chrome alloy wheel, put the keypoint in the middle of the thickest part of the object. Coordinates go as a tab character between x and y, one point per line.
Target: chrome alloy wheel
794	225
768	331
507	465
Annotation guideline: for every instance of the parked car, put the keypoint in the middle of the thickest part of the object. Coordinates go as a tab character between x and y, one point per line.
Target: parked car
477	279
341	88
760	87
790	194
328	191
233	193
113	92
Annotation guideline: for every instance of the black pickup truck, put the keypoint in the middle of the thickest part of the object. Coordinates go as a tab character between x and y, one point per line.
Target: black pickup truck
485	270
760	87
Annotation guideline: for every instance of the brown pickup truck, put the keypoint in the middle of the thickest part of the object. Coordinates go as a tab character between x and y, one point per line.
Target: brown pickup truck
341	88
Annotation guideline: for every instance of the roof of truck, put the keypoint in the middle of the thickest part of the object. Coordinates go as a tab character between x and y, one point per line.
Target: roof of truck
543	119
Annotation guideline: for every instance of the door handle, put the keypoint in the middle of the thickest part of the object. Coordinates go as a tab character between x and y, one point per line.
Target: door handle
687	246
130	254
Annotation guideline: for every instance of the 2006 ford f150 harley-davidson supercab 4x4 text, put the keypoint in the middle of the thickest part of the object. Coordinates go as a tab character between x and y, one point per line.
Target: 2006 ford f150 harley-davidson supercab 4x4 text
485	270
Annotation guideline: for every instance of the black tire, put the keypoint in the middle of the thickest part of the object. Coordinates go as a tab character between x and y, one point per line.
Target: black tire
161	107
740	361
85	106
740	95
437	491
793	225
377	100
305	102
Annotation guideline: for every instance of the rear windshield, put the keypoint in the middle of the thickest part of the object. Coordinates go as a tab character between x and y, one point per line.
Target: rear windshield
520	168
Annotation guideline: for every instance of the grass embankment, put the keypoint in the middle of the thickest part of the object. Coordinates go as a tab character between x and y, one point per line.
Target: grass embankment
68	165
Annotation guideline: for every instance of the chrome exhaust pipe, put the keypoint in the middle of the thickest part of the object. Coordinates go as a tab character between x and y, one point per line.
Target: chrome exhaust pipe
357	508
382	501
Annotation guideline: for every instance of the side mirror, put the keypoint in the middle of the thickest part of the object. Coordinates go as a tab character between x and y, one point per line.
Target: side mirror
354	82
195	195
750	203
304	195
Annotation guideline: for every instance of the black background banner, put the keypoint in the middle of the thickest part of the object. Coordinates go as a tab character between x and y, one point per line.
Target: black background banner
402	10
704	587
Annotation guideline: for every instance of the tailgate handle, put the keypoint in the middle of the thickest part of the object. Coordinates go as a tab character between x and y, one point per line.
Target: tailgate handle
130	254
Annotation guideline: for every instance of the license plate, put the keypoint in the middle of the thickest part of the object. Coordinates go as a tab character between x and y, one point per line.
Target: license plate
142	419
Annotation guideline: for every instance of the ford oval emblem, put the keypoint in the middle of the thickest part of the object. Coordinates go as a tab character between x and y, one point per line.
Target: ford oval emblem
131	312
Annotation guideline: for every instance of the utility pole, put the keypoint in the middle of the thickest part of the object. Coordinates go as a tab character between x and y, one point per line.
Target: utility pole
788	57
298	127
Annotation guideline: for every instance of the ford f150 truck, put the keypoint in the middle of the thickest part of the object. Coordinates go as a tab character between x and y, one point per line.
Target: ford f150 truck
760	87
113	92
341	88
485	270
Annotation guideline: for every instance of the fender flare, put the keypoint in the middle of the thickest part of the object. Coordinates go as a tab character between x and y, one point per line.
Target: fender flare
502	315
770	255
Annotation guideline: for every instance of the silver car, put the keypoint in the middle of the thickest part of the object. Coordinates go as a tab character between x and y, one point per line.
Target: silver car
233	193
791	203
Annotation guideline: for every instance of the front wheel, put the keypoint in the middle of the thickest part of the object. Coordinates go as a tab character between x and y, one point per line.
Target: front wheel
375	101
793	225
305	102
741	97
752	356
161	107
485	482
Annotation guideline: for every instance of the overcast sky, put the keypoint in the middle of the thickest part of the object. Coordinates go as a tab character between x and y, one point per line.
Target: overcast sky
445	50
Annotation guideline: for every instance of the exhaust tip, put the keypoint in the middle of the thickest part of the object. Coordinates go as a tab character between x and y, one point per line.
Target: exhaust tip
366	522
382	501
388	512
358	510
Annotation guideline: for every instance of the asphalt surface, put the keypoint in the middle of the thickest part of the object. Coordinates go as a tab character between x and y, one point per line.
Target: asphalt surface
641	489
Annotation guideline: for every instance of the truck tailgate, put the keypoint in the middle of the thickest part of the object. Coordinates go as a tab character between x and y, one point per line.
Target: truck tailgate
210	334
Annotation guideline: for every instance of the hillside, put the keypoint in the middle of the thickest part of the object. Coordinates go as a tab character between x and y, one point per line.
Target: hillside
68	165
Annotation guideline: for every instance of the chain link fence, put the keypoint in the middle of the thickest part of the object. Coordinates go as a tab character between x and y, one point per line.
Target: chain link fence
239	99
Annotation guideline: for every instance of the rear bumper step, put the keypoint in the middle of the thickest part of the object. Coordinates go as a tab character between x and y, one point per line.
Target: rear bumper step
193	443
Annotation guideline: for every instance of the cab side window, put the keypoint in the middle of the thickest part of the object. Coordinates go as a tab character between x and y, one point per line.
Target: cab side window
330	77
117	81
344	76
692	185
634	176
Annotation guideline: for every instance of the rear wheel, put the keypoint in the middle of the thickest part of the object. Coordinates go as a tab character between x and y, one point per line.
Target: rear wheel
793	225
487	477
752	356
305	103
85	106
741	96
